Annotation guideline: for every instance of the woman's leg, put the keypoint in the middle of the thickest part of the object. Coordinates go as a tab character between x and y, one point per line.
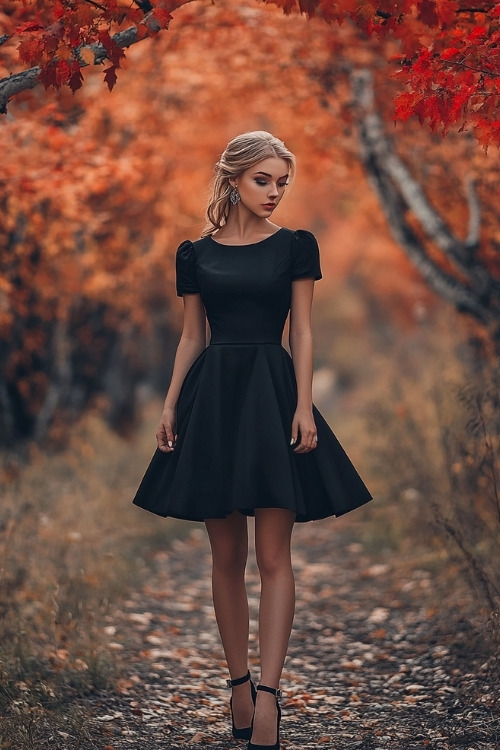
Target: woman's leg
273	531
229	543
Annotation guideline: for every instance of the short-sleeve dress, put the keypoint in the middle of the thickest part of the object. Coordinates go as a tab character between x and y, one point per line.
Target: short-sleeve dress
237	401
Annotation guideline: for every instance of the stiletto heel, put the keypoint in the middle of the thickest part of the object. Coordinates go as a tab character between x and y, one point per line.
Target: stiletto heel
246	732
276	746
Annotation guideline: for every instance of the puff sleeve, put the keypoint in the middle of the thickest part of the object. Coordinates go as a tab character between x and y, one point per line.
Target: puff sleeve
185	269
305	256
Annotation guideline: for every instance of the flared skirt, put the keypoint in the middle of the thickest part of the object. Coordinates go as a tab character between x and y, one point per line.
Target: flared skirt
233	452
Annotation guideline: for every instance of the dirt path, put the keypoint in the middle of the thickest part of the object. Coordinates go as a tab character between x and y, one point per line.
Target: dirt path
371	666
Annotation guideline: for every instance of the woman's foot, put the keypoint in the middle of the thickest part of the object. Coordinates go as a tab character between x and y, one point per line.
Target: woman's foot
265	721
242	706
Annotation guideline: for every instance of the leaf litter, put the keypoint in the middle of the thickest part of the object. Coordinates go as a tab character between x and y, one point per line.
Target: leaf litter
373	663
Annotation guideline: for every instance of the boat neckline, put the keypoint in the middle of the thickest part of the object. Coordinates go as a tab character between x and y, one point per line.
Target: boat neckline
248	244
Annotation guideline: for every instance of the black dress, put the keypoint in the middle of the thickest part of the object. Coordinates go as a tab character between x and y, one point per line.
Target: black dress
237	401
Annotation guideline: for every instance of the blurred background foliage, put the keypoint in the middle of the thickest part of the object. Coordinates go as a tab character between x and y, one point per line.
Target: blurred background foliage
98	189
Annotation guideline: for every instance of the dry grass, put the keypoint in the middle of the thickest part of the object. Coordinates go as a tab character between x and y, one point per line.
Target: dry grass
71	544
431	438
419	412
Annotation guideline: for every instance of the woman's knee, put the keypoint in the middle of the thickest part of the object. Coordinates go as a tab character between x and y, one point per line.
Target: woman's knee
229	544
273	531
229	559
273	561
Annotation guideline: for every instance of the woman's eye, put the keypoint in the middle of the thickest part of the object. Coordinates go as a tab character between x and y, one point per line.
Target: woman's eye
264	182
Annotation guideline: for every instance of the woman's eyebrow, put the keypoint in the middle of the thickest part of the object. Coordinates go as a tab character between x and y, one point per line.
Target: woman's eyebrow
266	174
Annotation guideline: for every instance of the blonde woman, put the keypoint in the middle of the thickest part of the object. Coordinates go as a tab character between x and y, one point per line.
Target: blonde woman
239	435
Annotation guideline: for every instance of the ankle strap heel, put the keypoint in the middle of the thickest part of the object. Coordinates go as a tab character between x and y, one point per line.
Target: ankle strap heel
277	694
274	691
246	732
239	681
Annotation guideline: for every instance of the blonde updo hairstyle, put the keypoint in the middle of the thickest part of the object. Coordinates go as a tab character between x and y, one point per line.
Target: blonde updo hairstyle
240	154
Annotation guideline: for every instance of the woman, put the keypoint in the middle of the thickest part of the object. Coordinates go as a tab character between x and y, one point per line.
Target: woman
239	434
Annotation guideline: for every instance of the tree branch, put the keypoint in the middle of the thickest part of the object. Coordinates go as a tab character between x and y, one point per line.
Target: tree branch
465	66
398	192
96	5
28	79
379	144
444	284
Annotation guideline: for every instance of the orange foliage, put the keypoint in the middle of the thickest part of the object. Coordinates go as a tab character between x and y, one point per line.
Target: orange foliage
447	52
97	192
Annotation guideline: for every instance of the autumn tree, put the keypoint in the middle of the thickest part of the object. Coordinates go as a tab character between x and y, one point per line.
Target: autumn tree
449	63
460	271
98	190
95	197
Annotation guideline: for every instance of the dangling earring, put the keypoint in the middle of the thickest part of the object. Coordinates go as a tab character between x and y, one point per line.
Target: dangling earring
234	196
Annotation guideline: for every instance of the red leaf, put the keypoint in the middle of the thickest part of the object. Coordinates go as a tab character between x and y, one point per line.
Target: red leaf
478	32
110	76
63	73
31	50
447	54
404	106
115	53
487	132
447	11
28	26
56	73
76	78
427	13
59	10
308	6
48	75
397	58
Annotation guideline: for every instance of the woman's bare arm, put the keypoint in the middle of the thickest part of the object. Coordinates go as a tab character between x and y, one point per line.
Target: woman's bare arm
191	344
301	347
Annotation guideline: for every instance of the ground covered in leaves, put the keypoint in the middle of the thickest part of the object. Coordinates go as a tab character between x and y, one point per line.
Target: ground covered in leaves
372	664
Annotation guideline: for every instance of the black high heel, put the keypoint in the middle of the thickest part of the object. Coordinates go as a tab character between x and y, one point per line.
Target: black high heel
246	732
276	746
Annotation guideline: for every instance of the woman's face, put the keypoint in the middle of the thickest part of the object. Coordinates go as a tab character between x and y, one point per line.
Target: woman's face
262	186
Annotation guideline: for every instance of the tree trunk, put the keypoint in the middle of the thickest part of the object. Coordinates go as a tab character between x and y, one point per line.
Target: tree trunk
472	289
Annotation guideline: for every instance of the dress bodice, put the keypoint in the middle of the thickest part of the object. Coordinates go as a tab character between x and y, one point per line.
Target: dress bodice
246	289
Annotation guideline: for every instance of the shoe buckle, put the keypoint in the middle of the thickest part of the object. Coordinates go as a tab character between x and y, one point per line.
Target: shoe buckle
228	684
278	694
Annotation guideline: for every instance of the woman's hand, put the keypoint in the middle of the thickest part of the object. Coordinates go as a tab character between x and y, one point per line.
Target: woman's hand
303	425
165	434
